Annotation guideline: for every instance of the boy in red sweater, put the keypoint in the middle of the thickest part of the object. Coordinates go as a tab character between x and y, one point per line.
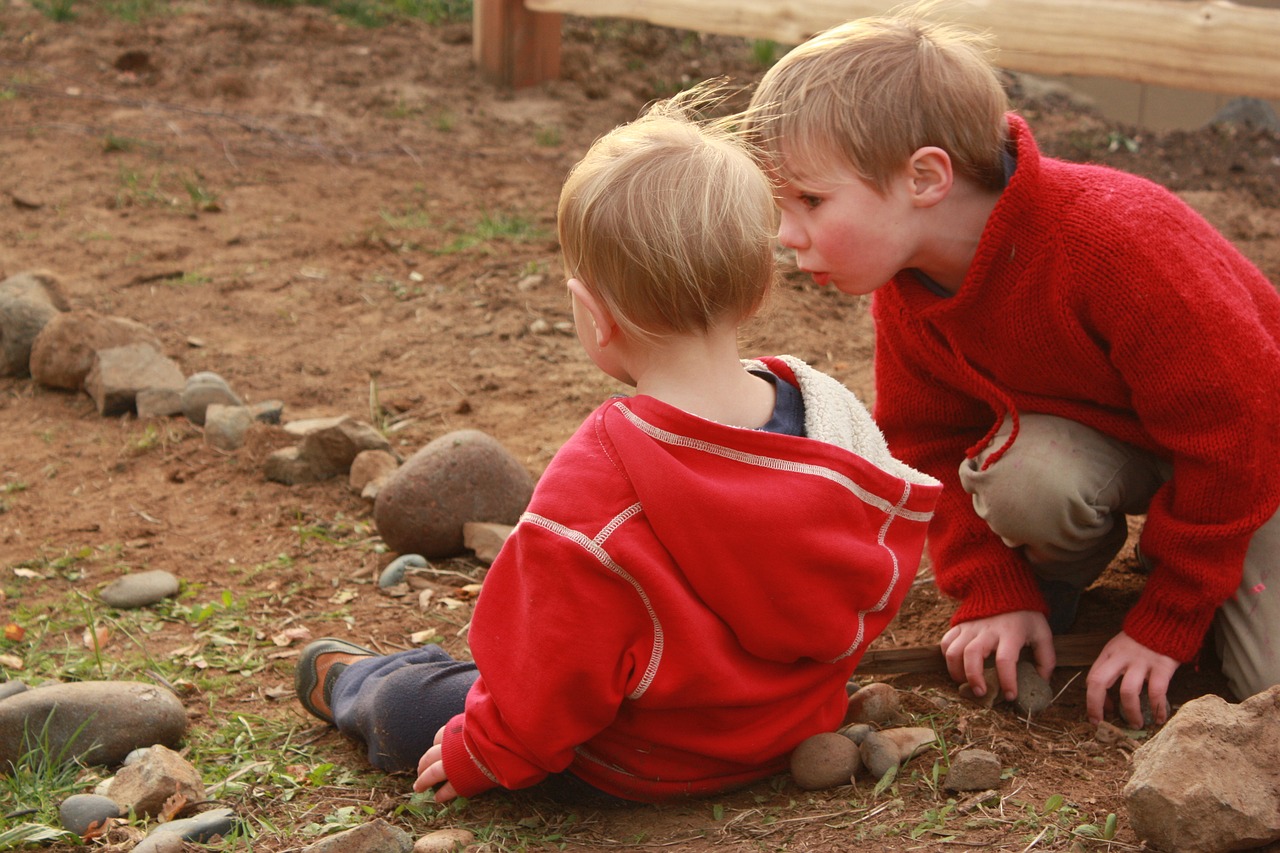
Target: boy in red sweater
702	565
1062	345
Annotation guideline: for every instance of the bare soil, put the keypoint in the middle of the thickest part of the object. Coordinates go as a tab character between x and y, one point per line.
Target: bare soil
351	221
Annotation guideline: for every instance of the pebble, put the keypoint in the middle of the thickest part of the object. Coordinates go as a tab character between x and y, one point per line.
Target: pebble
139	589
395	571
1034	693
377	836
199	828
78	812
203	389
973	770
876	703
824	760
444	841
11	688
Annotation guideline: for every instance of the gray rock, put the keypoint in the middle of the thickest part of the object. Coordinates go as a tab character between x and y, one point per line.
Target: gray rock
370	471
97	722
883	750
973	770
80	811
377	836
11	688
444	840
1034	693
28	301
139	589
161	842
225	426
1252	113
158	402
876	703
62	354
395	571
1207	780
119	373
459	477
857	732
268	411
157	775
199	828
203	389
327	449
824	760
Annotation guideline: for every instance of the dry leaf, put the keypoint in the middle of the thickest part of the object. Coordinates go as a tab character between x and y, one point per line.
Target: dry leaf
172	808
291	635
14	633
97	638
27	573
10	662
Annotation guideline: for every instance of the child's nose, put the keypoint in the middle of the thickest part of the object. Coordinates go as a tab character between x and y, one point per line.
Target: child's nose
790	234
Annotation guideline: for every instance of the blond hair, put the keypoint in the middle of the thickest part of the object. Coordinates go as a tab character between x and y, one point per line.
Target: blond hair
670	221
867	94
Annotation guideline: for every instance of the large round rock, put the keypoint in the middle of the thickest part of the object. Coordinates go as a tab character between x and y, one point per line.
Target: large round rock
462	476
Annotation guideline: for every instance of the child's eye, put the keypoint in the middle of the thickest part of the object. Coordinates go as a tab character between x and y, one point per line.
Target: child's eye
810	201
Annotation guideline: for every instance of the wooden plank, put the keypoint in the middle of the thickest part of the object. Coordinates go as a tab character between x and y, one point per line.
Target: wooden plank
1072	650
513	45
1215	46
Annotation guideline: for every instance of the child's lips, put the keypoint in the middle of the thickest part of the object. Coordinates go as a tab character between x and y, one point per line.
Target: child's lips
822	279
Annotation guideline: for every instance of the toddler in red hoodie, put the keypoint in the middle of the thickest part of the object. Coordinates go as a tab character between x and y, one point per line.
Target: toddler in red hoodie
702	564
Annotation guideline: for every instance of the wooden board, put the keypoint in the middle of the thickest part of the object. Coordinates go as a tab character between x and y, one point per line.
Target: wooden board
1072	650
1214	46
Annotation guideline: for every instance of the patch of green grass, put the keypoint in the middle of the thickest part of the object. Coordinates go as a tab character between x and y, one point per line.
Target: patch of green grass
548	136
379	13
495	227
45	774
61	11
136	11
764	52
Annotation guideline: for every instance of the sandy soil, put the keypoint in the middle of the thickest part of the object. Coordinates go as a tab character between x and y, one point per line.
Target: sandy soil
350	221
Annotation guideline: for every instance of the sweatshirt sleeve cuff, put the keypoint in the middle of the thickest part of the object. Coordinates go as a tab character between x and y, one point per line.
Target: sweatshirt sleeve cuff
1007	591
463	771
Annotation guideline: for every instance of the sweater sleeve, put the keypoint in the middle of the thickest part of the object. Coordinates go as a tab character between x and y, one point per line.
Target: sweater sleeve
561	640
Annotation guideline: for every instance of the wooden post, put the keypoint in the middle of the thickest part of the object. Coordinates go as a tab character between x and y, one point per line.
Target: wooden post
514	46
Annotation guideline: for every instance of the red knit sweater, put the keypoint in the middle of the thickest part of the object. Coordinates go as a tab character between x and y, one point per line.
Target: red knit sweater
1097	296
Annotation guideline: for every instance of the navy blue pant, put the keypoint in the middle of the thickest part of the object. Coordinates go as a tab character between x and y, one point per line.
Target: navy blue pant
396	703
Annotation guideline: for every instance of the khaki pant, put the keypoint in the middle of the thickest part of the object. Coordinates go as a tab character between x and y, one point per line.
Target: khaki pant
1061	492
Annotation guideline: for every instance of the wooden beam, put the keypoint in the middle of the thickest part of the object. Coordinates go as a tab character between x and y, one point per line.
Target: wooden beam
1215	46
1071	649
513	45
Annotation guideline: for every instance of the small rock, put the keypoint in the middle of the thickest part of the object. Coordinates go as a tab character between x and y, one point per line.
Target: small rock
395	571
161	842
28	301
268	411
139	589
876	703
199	828
857	732
1034	693
973	770
144	785
824	760
158	402
886	749
378	836
225	426
328	448
444	841
62	354
80	811
370	471
203	389
11	688
119	373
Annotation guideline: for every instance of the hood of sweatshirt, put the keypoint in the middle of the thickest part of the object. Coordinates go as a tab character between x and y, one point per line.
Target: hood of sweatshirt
803	548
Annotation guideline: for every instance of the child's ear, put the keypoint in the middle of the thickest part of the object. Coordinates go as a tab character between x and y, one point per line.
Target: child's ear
601	317
931	176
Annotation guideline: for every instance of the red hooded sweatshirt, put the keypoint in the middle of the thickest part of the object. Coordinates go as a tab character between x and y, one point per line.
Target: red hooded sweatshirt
684	602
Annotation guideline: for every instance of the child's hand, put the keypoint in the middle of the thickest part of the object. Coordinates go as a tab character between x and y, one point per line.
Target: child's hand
1134	665
968	645
431	772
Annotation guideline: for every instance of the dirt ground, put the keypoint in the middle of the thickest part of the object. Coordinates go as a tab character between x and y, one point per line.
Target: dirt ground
349	220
